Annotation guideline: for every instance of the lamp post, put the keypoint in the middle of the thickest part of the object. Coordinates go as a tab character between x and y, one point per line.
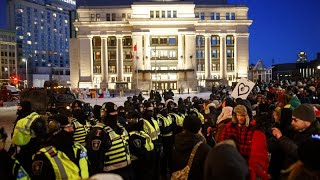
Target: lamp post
26	61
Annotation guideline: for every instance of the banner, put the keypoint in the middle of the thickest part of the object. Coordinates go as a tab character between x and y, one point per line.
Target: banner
242	89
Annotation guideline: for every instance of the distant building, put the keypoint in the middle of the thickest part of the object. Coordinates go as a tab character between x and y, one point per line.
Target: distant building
8	55
260	72
159	44
306	69
42	31
302	57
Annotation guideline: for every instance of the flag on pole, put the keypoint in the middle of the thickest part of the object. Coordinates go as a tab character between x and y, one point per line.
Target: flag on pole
134	51
135	47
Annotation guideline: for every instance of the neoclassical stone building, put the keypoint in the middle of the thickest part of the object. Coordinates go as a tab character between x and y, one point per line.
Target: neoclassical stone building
159	45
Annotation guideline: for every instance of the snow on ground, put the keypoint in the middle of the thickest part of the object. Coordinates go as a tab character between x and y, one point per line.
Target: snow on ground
117	100
120	100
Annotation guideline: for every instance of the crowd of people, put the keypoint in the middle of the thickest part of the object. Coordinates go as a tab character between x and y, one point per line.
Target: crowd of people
273	134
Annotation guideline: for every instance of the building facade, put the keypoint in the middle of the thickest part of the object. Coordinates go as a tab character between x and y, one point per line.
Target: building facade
159	45
8	55
42	31
260	72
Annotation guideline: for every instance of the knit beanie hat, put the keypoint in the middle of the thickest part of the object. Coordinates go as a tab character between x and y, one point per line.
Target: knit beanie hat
192	124
304	112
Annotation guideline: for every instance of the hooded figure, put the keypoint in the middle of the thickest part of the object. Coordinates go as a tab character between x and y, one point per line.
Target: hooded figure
241	111
225	162
240	130
183	145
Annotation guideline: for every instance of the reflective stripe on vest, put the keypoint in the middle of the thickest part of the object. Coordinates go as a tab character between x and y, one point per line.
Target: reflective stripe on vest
148	145
179	119
56	157
153	132
118	156
80	133
167	122
21	174
83	160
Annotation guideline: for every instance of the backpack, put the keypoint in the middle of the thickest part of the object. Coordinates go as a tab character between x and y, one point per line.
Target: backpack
22	132
184	173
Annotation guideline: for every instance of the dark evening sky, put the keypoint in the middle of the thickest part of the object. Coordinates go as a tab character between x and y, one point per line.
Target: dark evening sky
280	28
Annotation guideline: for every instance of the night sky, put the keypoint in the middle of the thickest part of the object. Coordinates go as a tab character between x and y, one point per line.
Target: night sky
280	29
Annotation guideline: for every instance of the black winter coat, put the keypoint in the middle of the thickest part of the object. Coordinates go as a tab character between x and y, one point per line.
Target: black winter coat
183	145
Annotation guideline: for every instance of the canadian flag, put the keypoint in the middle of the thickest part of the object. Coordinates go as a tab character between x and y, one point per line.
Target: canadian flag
135	50
135	47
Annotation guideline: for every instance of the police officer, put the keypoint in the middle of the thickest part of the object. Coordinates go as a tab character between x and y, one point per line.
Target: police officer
141	148
62	158
79	120
107	144
176	118
30	135
166	133
10	168
151	127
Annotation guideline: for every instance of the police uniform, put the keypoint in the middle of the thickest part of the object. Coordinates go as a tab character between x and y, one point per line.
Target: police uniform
50	163
80	132
166	133
142	154
108	150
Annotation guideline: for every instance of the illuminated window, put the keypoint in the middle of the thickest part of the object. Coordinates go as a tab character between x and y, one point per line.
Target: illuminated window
233	16
174	14
108	17
196	15
227	16
29	42
169	14
217	16
202	16
28	33
54	15
163	14
229	40
97	17
211	16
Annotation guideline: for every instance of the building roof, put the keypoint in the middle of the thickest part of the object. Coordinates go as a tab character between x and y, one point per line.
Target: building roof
260	66
129	2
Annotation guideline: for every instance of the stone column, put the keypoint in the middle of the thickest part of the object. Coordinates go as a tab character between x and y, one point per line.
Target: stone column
208	56
223	57
86	69
190	52
242	54
147	54
119	58
181	54
104	62
235	59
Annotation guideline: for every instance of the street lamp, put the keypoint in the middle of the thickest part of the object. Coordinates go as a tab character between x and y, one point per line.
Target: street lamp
26	61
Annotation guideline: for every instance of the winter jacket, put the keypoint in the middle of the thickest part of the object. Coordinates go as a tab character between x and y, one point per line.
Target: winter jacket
183	145
258	159
290	146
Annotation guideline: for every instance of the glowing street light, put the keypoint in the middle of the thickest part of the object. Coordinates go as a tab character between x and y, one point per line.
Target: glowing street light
26	61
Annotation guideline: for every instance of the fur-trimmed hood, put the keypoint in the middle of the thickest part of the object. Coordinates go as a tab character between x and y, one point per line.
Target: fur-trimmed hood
240	109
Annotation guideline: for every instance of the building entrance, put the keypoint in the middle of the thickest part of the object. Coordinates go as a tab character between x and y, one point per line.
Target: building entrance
161	85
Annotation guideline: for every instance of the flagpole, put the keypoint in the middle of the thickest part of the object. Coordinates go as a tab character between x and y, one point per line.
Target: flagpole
136	69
